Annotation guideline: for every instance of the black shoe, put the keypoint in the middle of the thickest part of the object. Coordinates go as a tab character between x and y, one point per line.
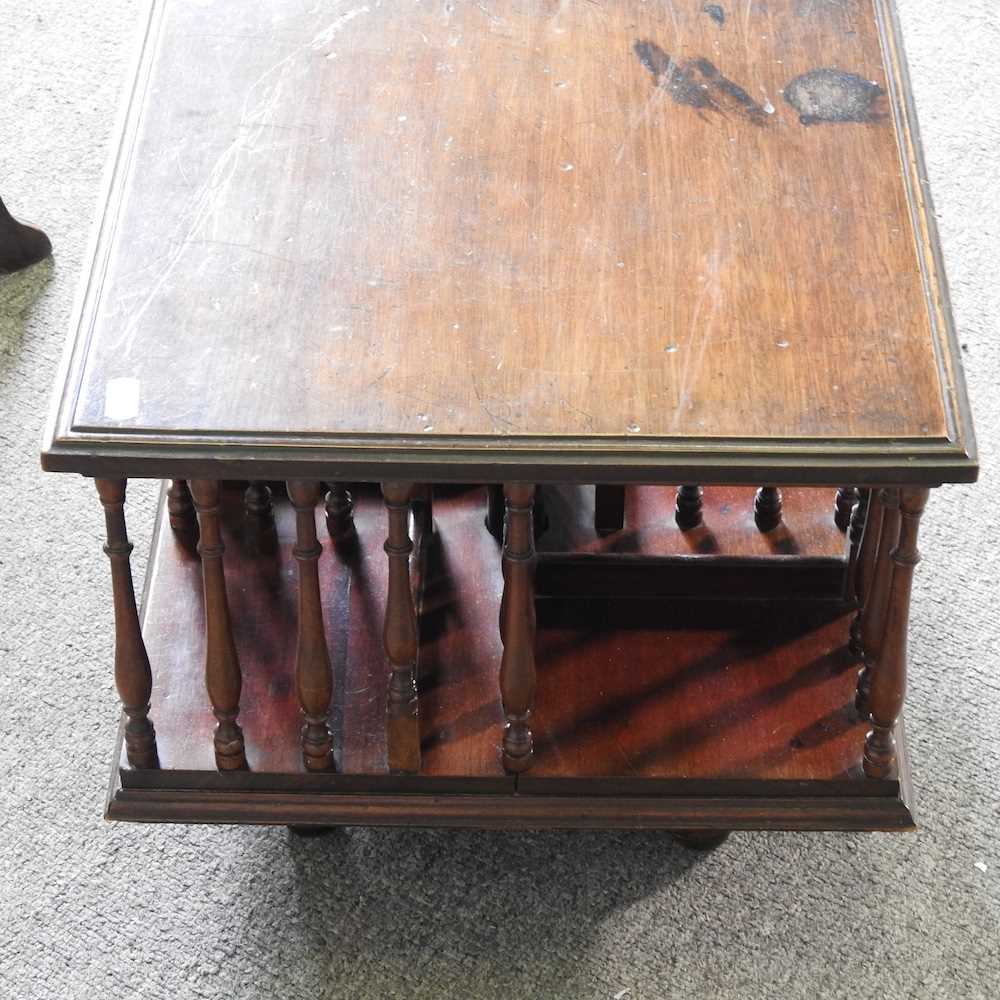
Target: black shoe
20	245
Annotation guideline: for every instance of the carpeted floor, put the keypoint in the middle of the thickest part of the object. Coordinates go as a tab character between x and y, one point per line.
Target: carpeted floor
92	910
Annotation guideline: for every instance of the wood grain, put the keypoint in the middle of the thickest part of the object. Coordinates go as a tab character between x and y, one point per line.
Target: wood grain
888	681
515	221
223	675
313	673
133	676
400	634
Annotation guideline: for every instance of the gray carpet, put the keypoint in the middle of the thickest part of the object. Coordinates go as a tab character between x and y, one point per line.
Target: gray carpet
92	910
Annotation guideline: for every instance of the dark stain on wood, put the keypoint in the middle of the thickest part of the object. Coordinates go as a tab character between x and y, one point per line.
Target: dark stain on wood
698	83
732	93
834	95
716	13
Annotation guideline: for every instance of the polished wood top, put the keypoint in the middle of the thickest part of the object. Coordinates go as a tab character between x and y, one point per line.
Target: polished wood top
596	240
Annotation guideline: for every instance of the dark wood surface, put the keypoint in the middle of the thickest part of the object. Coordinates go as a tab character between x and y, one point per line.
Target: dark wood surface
595	241
313	673
747	722
133	677
727	524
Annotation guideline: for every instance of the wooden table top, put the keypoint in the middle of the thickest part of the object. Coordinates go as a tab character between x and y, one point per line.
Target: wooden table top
602	240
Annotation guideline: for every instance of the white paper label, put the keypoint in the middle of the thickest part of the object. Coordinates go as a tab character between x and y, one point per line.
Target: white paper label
121	399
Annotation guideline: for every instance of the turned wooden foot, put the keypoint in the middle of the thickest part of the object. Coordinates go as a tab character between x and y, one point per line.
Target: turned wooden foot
20	245
700	840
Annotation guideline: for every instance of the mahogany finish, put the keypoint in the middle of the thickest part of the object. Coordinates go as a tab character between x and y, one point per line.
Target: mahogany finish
867	524
767	508
223	679
854	589
517	627
609	509
888	681
847	497
690	507
313	675
876	601
747	724
541	243
855	536
727	527
257	500
180	506
339	512
133	677
685	276
496	511
400	633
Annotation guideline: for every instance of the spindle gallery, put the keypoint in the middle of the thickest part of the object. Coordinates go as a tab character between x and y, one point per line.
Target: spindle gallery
525	463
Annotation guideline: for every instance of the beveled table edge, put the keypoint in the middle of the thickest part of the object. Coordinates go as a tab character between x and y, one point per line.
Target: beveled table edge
69	447
803	463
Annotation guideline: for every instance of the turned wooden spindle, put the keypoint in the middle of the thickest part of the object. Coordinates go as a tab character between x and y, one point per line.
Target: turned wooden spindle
847	497
609	509
688	512
339	512
257	500
869	544
496	512
853	587
517	627
179	506
313	675
888	684
223	678
866	524
133	677
399	635
767	508
873	612
855	535
425	507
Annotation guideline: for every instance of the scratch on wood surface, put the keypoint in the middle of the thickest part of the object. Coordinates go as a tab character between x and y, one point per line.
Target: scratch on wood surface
694	359
331	31
495	417
207	200
655	99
